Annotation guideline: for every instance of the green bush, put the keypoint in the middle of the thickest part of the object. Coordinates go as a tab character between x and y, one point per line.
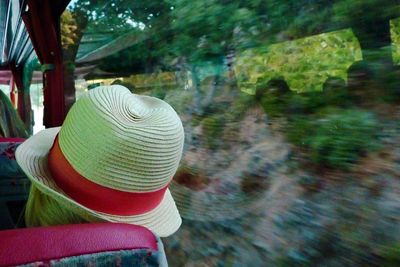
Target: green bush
314	101
292	103
335	92
276	86
273	95
342	137
274	106
391	257
299	130
277	99
335	138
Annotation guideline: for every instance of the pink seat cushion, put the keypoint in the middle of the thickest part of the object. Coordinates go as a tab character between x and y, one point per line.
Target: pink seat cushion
11	140
23	246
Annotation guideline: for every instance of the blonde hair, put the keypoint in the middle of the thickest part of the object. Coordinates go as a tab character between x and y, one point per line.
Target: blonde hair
43	210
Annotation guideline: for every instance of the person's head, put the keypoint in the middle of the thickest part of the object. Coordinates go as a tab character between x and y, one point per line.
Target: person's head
111	160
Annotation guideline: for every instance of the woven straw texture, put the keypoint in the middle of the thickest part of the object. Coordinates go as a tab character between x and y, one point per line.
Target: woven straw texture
123	141
119	140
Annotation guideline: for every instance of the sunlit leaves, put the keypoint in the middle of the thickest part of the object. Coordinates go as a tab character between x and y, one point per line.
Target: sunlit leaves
69	29
304	63
395	34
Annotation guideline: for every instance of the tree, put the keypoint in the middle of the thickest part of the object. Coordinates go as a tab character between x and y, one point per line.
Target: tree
72	26
114	17
370	21
186	35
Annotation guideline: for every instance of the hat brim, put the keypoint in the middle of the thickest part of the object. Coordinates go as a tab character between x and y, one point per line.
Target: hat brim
31	156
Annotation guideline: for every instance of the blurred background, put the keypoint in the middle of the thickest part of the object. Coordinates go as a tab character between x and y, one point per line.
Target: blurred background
291	116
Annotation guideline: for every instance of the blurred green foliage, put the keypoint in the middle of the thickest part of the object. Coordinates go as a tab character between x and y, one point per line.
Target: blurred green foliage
238	108
342	137
299	131
391	257
304	63
212	128
332	136
159	93
395	35
278	100
336	139
274	105
294	56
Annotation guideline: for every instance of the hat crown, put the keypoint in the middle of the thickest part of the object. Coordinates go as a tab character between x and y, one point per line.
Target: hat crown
122	140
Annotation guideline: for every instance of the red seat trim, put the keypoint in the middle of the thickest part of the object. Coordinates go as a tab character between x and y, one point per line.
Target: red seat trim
22	246
11	140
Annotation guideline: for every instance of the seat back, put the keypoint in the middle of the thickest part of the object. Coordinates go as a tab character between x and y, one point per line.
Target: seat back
14	185
98	244
8	166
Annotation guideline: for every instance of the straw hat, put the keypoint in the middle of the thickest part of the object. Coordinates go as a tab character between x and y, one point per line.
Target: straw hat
112	159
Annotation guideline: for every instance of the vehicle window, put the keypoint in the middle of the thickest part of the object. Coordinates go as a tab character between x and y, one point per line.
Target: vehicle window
291	118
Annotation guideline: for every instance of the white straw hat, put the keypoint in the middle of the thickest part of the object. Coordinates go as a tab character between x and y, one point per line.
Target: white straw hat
116	142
